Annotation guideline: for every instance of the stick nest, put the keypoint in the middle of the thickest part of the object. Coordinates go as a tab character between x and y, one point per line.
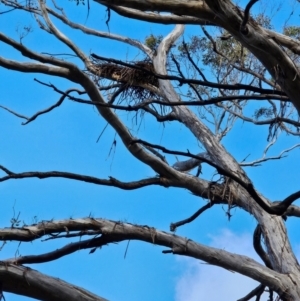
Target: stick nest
135	81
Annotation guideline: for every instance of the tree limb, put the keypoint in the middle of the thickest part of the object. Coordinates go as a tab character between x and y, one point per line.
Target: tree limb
174	226
79	177
276	209
118	231
256	292
27	282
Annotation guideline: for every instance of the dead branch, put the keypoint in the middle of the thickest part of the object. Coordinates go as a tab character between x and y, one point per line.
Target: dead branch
276	209
96	242
39	286
118	231
174	226
79	177
265	159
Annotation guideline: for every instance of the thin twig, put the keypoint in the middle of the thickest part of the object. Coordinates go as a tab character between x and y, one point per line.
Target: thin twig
173	226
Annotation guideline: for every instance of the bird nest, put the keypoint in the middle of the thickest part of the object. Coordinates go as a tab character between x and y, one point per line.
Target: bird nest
137	80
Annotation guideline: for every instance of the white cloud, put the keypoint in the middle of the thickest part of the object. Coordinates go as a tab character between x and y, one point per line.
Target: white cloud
201	281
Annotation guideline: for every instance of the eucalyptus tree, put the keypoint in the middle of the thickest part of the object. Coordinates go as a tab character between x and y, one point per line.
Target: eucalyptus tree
206	82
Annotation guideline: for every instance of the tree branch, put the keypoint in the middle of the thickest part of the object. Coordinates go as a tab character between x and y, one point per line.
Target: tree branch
259	249
60	36
34	55
96	242
27	282
265	159
57	104
79	177
174	226
118	231
101	34
258	291
244	29
276	209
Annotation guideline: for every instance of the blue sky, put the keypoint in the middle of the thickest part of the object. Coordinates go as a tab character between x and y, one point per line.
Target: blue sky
66	140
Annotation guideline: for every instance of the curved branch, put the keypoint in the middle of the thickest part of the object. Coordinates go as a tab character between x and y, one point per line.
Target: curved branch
118	231
258	248
27	282
258	291
64	251
57	104
79	177
102	34
289	200
38	68
246	16
292	210
34	55
60	36
156	17
174	226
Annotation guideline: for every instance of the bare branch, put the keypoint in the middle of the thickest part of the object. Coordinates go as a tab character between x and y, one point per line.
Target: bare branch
118	231
244	29
79	177
289	200
14	113
292	210
60	36
101	34
264	159
34	55
36	285
156	17
37	68
259	249
57	104
64	251
174	226
258	291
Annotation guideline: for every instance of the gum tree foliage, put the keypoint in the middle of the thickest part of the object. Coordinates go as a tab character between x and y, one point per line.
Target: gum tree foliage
237	68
